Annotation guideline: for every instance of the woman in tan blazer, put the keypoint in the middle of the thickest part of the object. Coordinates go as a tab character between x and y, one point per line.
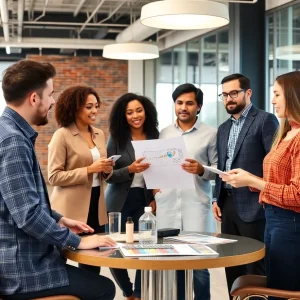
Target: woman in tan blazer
77	162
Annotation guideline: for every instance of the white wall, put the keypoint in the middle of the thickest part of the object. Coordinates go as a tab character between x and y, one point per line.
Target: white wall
136	76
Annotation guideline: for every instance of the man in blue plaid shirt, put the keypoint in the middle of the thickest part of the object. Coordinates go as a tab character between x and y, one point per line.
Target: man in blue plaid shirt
31	233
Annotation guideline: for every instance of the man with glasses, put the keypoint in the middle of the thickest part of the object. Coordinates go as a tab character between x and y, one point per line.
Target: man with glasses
242	142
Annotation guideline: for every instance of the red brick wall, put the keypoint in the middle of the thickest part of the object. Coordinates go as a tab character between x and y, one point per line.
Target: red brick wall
108	77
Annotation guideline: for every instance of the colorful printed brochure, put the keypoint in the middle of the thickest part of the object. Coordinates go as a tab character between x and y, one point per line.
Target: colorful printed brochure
137	250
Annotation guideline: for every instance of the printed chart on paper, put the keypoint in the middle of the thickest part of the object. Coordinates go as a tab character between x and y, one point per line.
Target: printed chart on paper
165	157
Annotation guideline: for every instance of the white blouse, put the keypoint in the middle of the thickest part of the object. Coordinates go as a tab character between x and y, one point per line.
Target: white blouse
96	156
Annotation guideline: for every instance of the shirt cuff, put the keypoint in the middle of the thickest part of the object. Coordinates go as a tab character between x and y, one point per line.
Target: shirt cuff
56	216
72	242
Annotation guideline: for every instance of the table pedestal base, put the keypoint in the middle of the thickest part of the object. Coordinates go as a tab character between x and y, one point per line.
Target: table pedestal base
162	285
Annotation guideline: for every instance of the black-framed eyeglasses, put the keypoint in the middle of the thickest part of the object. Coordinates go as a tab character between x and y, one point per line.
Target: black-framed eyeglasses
232	94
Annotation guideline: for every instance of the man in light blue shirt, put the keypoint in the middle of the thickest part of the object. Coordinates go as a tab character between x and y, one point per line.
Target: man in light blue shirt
190	209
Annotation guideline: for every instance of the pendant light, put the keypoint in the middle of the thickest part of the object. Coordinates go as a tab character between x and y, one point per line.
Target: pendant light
185	14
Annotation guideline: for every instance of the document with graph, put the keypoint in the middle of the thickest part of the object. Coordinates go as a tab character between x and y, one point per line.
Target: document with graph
165	157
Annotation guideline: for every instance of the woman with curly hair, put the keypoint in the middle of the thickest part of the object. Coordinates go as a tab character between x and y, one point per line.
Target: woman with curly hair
132	118
77	162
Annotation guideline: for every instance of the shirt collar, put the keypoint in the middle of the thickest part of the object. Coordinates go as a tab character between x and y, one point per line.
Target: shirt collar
28	131
244	113
194	127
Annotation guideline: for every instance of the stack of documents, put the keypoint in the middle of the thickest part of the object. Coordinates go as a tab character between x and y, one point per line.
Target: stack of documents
138	250
196	238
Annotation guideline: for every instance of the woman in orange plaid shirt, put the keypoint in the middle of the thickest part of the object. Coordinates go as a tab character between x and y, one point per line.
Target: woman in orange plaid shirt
280	188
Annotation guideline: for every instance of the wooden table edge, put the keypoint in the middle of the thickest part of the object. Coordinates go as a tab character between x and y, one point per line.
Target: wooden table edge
177	264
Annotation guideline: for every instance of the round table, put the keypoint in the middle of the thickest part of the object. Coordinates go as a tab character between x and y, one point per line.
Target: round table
244	251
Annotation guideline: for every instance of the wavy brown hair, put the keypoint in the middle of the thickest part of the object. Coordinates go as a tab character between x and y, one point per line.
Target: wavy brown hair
290	83
70	102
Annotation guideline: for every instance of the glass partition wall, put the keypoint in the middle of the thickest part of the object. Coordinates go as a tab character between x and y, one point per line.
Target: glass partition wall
202	62
283	45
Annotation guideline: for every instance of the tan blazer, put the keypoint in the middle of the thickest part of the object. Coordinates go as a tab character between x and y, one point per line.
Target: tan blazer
68	158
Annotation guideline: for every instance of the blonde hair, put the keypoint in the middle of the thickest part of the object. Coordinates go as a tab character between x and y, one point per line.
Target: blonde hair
290	84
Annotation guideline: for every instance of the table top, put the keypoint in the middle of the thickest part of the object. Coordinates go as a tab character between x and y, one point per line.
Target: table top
244	251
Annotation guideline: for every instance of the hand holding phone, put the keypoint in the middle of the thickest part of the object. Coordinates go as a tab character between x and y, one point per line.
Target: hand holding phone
114	158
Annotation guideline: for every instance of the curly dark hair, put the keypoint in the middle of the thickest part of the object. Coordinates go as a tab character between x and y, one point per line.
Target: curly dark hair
69	103
118	125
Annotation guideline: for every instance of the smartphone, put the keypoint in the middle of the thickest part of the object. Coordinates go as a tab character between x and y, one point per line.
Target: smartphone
114	158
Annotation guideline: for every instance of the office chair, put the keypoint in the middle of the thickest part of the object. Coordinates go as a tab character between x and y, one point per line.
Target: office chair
248	286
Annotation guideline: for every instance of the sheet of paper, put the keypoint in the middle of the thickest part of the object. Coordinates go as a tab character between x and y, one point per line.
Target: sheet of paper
199	239
166	157
118	245
214	170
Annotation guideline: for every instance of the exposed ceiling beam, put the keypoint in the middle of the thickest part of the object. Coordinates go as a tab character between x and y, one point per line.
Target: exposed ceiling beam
136	32
113	12
4	17
78	8
20	19
53	43
44	11
31	10
42	27
92	15
71	24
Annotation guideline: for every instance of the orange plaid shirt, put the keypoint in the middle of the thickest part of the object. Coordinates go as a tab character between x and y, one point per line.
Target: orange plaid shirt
282	175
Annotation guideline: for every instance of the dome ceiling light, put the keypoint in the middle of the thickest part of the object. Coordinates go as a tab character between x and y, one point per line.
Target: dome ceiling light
131	51
185	14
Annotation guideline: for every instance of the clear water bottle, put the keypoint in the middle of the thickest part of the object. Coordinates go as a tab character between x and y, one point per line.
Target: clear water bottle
147	227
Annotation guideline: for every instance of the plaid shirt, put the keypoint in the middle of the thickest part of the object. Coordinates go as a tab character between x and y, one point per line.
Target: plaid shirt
234	134
233	137
30	236
282	175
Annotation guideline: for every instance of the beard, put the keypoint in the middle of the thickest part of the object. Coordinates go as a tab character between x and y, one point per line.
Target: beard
41	121
238	107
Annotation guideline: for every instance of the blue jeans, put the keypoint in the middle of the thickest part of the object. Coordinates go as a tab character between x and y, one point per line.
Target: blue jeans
201	285
282	239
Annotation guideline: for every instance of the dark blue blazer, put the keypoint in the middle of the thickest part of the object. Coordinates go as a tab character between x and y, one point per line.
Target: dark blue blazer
254	142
